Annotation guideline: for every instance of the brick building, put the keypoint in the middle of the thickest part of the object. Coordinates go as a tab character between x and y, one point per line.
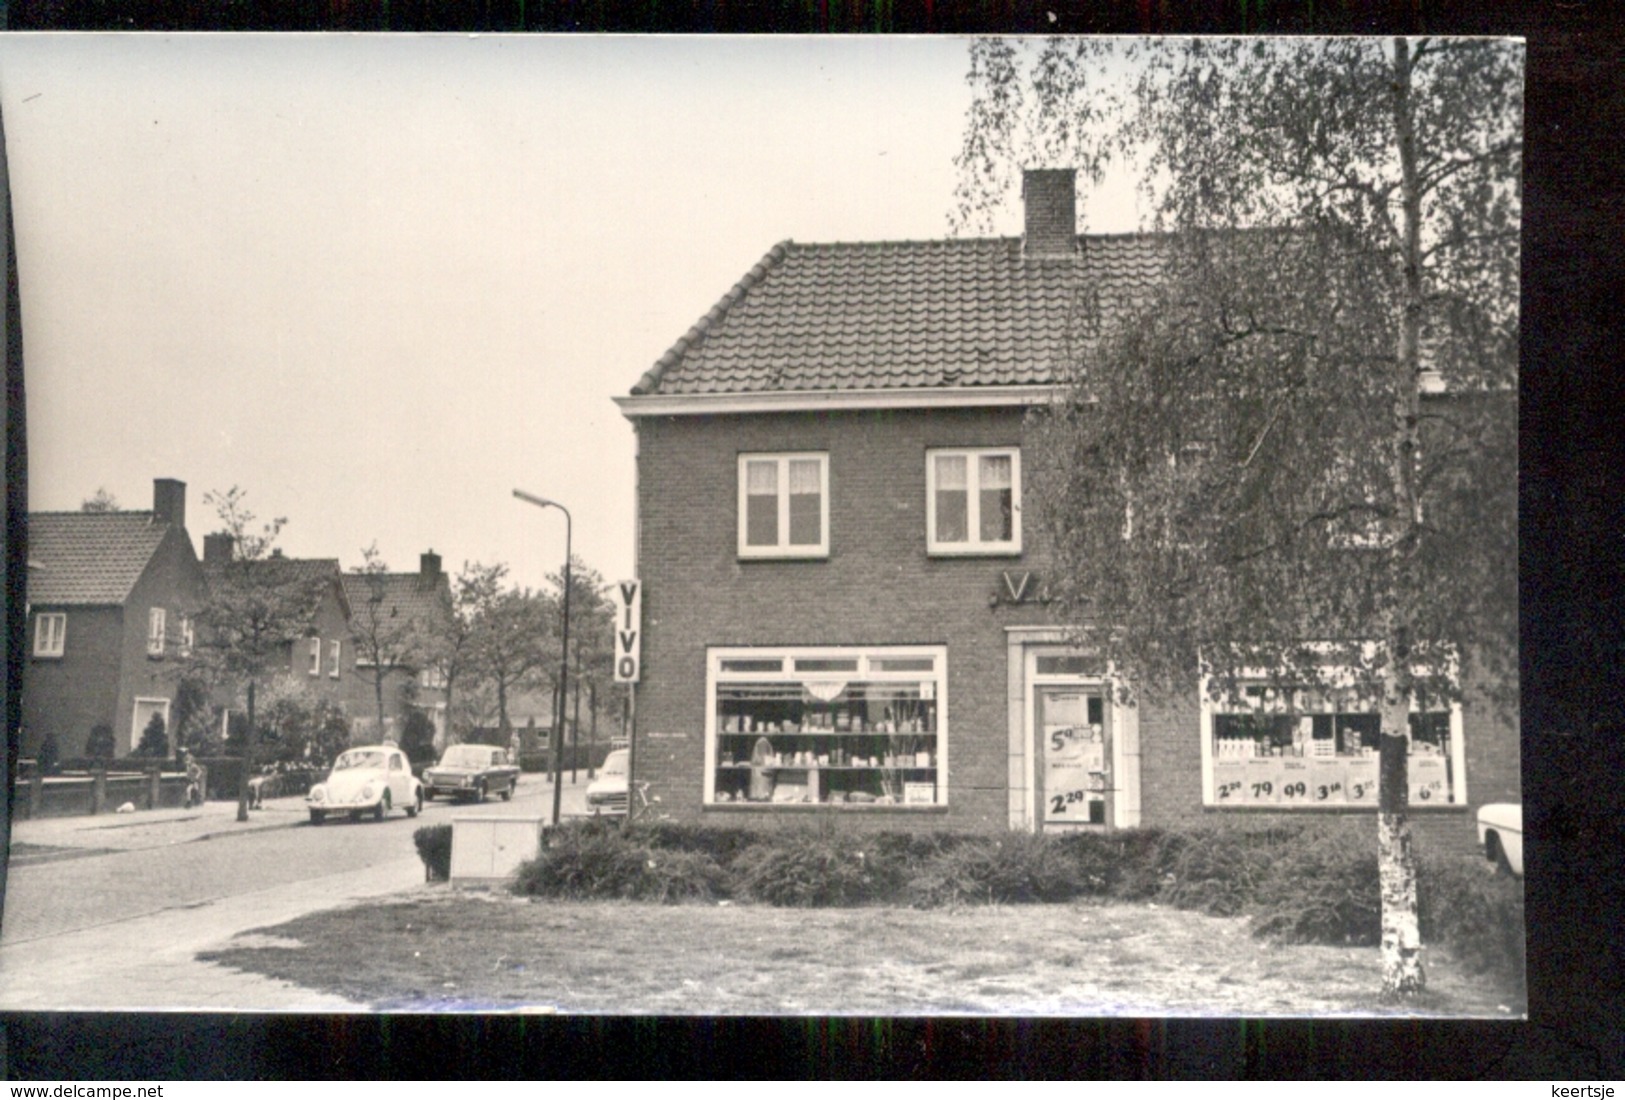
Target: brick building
397	617
111	598
843	590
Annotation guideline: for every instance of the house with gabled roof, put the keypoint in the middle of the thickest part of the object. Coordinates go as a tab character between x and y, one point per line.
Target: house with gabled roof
843	597
319	659
111	597
396	618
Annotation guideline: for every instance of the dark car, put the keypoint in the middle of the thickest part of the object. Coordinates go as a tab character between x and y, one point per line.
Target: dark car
472	772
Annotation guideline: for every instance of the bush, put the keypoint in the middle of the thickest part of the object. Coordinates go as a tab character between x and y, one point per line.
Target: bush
1321	887
1475	914
593	859
1220	871
417	739
721	842
154	739
49	757
1018	867
434	849
813	867
101	746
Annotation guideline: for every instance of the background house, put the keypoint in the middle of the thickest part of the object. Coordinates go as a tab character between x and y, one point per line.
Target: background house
395	621
111	596
844	590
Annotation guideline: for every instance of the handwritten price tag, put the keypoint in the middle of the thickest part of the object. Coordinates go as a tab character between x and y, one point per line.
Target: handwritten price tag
1263	780
1429	781
1360	782
1295	789
1326	781
1229	782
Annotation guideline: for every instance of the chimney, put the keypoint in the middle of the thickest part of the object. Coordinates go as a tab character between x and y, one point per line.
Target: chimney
1050	196
429	567
169	501
217	548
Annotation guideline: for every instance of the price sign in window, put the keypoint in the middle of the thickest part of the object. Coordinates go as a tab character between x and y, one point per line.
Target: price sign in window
1075	770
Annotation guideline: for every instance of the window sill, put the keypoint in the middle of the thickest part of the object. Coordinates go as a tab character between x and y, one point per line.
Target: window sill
786	555
46	656
974	552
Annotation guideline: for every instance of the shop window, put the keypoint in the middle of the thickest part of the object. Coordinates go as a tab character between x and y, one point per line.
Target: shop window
850	727
784	506
155	632
50	634
1287	748
973	501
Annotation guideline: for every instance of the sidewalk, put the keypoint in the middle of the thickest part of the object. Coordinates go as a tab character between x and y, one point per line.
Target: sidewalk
151	828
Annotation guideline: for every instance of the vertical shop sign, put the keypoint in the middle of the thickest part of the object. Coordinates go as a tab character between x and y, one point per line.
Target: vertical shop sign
628	631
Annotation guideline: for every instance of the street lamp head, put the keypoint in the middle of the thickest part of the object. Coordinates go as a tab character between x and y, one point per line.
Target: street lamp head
540	502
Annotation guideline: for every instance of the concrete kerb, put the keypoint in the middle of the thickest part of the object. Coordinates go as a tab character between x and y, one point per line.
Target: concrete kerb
217	818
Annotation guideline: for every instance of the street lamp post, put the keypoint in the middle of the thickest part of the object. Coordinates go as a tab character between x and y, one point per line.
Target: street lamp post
564	661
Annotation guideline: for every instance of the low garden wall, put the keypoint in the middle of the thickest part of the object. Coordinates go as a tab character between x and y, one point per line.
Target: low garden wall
76	794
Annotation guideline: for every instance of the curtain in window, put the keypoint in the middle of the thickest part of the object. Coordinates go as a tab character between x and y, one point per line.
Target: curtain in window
953	504
996	498
806	491
761	503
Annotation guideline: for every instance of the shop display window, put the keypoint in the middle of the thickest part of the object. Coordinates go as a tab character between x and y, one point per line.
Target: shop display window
1290	748
833	727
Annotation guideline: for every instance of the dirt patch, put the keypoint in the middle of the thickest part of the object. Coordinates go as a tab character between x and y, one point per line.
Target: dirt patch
445	951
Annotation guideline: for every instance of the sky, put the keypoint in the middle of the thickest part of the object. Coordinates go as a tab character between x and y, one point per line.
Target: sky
379	282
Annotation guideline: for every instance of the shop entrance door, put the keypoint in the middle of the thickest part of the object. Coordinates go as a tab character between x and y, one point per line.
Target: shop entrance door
1073	754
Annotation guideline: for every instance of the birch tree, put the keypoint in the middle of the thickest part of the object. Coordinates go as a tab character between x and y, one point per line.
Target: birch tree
1297	450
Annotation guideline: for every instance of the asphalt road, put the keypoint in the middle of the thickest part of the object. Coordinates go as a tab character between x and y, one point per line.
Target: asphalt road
108	911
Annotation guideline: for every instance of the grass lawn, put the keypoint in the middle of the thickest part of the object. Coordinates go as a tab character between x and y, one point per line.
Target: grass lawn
441	950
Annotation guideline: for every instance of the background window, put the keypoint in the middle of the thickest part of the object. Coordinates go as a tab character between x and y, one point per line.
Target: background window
155	632
333	658
315	656
50	634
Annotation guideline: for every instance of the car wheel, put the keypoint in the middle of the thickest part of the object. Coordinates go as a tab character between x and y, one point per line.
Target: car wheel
412	810
317	817
382	808
428	794
507	792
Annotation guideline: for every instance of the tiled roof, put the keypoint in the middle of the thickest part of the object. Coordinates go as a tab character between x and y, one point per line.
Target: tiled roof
411	594
302	569
912	314
90	558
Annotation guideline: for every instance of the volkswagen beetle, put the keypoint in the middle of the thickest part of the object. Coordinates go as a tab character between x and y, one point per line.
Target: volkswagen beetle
371	779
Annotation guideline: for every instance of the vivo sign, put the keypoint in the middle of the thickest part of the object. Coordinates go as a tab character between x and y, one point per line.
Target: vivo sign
628	631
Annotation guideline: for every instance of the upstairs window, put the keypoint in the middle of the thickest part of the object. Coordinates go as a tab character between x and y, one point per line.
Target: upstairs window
50	634
155	632
333	658
784	505
187	636
315	656
973	501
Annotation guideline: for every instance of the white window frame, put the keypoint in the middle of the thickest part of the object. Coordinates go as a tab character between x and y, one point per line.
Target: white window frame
783	548
50	633
865	672
315	656
155	631
973	544
1332	676
333	650
188	636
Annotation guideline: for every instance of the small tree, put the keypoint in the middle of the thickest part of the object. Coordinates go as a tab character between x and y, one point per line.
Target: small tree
101	746
387	639
102	501
451	649
511	648
259	605
154	739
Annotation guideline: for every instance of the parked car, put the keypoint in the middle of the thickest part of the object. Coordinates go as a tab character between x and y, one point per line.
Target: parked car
1500	833
471	771
370	779
606	795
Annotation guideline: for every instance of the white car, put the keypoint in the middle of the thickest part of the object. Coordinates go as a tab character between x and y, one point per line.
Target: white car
370	779
1500	834
607	794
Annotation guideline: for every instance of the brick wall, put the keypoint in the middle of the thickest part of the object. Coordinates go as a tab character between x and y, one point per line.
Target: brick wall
879	587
